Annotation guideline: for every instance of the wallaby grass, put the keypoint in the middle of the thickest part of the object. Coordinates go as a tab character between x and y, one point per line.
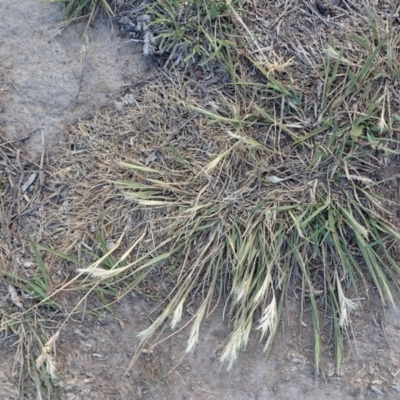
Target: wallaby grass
233	192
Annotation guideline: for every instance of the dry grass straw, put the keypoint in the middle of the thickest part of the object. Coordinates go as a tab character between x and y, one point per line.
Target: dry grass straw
239	192
22	282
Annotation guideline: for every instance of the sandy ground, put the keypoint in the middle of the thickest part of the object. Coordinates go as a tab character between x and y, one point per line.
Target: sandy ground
45	85
101	355
51	78
93	356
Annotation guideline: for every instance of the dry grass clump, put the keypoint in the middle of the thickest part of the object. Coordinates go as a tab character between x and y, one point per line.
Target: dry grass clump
86	10
280	186
232	202
81	9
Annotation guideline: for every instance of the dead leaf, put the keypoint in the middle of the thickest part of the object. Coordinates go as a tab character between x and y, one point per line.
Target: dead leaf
28	182
152	157
14	297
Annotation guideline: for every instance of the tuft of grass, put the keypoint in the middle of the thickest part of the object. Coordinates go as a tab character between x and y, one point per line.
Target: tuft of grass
30	320
195	32
85	10
82	9
275	200
207	37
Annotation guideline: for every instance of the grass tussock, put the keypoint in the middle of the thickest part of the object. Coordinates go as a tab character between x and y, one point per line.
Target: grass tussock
195	32
277	197
80	10
279	184
234	205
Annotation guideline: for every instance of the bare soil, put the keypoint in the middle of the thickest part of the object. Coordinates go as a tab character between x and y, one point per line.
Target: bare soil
93	356
45	84
52	78
99	356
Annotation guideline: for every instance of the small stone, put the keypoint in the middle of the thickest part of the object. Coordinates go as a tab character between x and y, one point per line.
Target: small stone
374	389
198	73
